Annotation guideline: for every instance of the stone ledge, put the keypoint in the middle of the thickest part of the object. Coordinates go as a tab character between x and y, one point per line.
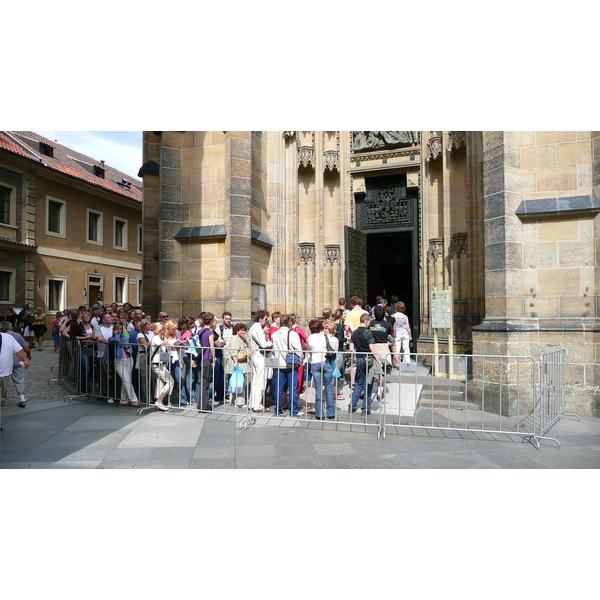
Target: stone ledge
261	239
204	232
553	207
582	324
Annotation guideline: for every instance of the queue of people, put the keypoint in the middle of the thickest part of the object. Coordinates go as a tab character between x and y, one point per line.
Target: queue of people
120	352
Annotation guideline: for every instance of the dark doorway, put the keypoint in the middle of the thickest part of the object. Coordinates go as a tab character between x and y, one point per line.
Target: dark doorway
390	267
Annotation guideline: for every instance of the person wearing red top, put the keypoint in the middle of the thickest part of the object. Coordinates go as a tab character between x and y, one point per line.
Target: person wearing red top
276	316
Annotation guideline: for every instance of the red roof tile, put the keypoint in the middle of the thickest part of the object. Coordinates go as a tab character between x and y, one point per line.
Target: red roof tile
65	160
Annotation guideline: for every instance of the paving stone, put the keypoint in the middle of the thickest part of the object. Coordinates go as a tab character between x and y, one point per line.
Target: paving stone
214	452
145	464
255	451
212	463
86	464
130	454
172	453
296	450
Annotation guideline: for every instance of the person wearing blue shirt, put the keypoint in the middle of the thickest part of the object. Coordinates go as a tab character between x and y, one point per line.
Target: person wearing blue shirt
123	365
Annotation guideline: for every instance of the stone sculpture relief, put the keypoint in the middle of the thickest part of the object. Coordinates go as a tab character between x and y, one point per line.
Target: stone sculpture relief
373	140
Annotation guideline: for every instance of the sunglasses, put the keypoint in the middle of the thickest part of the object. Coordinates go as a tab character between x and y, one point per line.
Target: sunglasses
163	316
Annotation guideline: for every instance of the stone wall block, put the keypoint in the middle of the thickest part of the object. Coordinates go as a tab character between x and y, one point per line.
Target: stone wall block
171	193
239	205
240	186
554	137
574	153
170	270
240	267
170	158
171	176
493	182
492	139
538	156
558	282
575	254
493	158
241	225
540	256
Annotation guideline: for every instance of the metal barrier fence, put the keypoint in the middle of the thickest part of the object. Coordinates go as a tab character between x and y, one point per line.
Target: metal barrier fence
495	395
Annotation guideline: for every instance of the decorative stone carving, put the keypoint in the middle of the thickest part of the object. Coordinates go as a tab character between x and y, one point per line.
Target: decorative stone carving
332	254
458	244
288	134
456	140
387	209
306	253
369	140
435	250
331	160
434	148
306	156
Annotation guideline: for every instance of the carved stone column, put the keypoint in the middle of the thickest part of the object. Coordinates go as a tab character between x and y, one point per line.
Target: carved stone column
306	262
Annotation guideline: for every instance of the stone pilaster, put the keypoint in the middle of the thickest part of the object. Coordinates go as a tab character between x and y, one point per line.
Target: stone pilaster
238	216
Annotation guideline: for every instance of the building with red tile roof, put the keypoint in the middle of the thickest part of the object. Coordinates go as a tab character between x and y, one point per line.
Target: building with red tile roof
70	227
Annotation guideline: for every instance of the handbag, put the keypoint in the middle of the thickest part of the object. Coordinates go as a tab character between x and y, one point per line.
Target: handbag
310	394
236	381
292	358
244	354
335	371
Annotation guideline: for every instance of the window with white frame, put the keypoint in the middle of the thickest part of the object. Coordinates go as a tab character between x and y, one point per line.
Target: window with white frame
7	205
56	217
140	239
7	285
120	233
120	287
95	229
139	291
56	294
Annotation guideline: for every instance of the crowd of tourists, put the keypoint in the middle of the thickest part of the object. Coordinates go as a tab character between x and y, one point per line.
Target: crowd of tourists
120	352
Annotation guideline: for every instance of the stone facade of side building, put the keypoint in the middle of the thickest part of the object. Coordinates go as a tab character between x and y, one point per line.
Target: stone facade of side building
293	220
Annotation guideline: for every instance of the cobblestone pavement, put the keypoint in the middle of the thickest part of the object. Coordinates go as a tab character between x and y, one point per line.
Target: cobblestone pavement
39	387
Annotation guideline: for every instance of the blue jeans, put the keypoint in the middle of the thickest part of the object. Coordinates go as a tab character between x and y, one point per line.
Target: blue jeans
189	385
359	386
176	373
323	375
281	378
219	380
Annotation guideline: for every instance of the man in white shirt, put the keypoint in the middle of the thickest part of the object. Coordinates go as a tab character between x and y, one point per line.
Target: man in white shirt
18	374
103	371
8	348
259	344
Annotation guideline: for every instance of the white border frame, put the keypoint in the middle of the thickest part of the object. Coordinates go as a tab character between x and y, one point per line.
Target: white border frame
12	285
140	239
125	288
100	241
63	217
64	295
125	247
12	209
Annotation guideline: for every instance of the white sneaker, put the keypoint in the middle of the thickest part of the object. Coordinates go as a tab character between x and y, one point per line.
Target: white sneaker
110	401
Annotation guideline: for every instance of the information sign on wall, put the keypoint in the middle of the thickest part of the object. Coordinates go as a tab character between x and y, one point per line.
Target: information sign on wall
441	309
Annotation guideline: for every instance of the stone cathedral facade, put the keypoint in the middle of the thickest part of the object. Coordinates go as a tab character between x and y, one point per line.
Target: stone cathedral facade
292	220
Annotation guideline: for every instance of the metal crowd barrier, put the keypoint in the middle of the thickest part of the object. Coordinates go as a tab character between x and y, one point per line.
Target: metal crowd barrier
487	395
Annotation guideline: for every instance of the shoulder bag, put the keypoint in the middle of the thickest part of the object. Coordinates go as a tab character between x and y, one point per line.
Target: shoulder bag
292	358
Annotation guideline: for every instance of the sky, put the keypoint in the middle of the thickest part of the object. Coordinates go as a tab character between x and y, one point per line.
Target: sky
119	149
